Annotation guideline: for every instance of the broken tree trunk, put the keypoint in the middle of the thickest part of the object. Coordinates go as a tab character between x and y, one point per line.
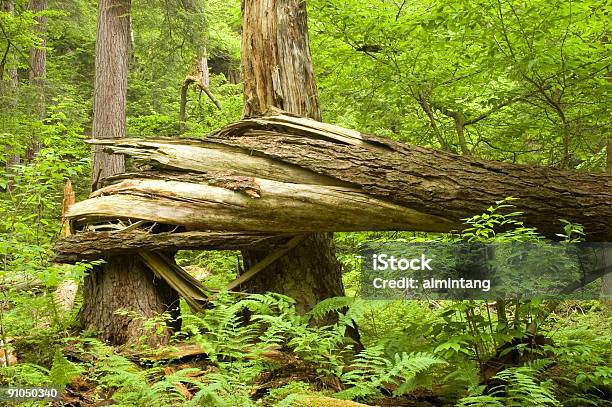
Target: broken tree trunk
99	245
289	174
277	72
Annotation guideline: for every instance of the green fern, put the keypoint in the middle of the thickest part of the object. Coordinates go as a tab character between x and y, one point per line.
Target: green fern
63	371
521	389
518	389
370	371
334	304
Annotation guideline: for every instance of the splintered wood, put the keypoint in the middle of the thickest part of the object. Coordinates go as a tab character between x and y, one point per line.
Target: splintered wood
262	180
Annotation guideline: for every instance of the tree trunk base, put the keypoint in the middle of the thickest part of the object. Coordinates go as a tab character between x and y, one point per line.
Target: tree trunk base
309	273
124	283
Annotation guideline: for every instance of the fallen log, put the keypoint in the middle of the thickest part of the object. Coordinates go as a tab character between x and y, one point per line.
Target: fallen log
98	245
278	207
290	174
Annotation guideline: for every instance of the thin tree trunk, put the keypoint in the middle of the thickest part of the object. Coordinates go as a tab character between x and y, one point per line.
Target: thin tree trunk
11	57
460	123
38	54
124	282
277	72
422	98
9	89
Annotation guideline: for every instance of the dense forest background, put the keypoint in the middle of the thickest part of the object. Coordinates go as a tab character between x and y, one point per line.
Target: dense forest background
523	82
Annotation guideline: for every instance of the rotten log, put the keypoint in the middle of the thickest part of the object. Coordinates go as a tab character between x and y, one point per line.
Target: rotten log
291	174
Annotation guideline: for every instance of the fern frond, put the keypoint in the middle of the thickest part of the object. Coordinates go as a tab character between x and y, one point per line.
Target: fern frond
334	304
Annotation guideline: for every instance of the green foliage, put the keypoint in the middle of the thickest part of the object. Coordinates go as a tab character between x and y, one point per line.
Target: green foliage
483	227
527	81
370	371
63	371
518	388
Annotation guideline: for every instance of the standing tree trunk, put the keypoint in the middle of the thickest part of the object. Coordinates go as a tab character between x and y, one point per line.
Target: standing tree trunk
38	70
277	72
110	88
124	282
38	54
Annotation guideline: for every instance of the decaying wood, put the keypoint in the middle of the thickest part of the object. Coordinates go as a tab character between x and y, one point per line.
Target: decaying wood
282	207
265	262
69	199
65	295
178	279
98	245
277	72
7	354
276	63
319	177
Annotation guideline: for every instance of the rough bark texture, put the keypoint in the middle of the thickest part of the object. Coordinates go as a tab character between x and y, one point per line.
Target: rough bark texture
276	63
38	54
309	273
439	183
311	155
97	245
38	70
112	57
123	282
277	72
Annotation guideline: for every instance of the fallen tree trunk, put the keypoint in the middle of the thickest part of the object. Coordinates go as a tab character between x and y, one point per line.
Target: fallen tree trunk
97	245
274	207
290	174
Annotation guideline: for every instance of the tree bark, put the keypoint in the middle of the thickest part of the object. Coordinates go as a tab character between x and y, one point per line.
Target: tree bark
277	72
38	54
98	245
276	62
124	282
319	174
38	71
110	88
